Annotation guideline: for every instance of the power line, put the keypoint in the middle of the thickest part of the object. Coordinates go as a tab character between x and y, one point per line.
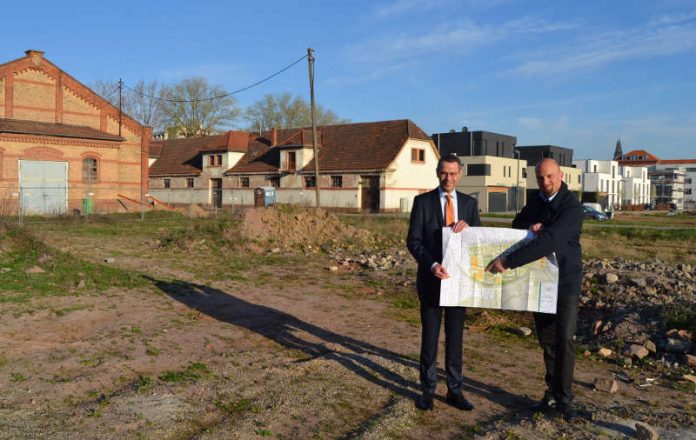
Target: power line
107	97
188	101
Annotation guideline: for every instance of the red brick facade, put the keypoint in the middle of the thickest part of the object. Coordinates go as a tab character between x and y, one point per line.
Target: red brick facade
47	115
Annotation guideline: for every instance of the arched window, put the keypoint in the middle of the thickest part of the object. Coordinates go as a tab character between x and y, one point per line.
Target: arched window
90	169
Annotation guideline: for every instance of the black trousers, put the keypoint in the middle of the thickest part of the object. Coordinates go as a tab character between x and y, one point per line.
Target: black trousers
431	318
556	337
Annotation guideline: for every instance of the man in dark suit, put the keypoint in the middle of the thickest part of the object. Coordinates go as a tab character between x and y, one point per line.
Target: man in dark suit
555	216
432	211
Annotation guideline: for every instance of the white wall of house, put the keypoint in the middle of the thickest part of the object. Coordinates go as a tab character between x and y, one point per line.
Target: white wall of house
636	187
602	176
406	178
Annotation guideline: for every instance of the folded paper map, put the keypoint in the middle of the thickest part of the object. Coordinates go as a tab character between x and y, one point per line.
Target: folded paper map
532	287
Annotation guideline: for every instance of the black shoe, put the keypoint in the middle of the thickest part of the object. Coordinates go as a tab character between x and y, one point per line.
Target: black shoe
568	413
425	402
458	401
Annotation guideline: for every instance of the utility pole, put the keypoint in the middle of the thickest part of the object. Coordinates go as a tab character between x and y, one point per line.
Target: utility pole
310	62
120	106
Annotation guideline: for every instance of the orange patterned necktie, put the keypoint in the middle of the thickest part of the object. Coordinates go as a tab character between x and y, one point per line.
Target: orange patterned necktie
449	211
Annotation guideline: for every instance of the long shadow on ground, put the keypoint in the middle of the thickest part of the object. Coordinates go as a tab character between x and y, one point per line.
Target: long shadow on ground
287	330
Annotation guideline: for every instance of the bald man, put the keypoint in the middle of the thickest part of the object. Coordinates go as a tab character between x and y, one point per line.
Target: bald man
555	216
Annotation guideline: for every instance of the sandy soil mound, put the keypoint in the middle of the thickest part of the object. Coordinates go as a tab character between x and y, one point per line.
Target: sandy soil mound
286	228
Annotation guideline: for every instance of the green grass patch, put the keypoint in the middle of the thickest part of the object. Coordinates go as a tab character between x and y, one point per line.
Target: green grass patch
33	268
638	233
18	377
405	302
143	384
192	373
65	310
237	407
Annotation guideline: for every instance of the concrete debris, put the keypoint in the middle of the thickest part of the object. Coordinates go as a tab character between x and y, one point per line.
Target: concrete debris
524	331
35	269
646	432
636	351
606	385
605	353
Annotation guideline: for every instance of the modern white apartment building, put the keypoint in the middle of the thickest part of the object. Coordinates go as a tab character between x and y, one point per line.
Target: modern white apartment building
636	185
604	178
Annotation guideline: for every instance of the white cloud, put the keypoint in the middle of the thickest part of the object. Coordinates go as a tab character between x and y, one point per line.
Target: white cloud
606	48
400	7
450	37
671	19
374	74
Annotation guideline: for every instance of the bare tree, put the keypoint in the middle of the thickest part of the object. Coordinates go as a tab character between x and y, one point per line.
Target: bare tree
107	90
194	108
141	101
283	110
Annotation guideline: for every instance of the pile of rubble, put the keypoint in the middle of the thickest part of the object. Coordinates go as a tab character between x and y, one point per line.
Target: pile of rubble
371	261
628	309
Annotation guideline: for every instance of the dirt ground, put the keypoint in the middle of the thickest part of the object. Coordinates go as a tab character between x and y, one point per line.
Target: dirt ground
222	345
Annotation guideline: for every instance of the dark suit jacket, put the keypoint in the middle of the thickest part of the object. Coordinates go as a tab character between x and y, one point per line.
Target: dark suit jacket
425	238
562	220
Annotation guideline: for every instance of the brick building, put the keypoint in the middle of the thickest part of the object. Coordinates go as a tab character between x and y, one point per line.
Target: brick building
63	147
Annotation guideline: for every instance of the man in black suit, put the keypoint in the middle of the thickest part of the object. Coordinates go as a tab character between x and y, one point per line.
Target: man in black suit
555	216
432	211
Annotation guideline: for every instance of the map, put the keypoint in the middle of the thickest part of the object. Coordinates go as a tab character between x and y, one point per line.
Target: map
532	287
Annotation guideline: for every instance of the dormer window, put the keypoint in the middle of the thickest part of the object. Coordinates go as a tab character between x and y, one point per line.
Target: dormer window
215	160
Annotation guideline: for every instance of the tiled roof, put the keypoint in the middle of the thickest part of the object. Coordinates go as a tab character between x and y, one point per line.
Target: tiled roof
180	156
55	130
651	159
155	149
183	156
260	158
344	147
640	153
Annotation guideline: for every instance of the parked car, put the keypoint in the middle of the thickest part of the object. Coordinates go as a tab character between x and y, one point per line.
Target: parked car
595	206
593	214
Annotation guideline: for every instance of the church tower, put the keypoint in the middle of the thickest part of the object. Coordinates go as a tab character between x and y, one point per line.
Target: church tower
618	152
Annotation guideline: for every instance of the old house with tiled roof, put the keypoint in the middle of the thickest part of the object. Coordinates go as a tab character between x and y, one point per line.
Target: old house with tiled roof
376	166
62	145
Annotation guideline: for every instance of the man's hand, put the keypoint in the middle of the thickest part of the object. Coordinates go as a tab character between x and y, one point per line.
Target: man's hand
440	272
496	266
460	226
536	228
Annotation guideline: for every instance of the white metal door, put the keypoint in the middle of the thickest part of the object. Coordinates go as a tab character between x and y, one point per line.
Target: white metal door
43	187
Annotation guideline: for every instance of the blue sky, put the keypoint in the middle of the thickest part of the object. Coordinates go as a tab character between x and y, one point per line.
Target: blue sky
567	73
